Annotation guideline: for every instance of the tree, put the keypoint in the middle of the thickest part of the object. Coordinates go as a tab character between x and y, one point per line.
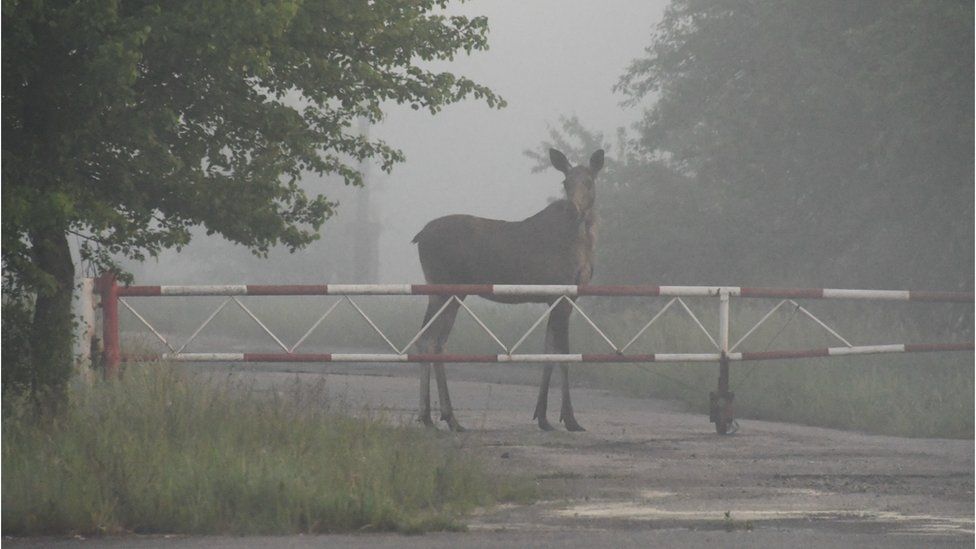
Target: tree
838	134
127	123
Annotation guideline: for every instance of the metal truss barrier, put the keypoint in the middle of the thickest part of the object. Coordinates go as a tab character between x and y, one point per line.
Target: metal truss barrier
723	350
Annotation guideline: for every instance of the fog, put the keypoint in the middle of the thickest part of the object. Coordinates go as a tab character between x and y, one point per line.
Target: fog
764	164
755	144
547	59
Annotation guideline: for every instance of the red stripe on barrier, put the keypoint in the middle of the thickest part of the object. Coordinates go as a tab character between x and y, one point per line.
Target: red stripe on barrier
451	289
287	357
783	293
927	347
962	297
139	291
140	358
774	355
451	358
292	289
617	358
639	290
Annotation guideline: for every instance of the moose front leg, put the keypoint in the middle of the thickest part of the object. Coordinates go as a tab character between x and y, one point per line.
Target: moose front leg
557	342
561	342
444	325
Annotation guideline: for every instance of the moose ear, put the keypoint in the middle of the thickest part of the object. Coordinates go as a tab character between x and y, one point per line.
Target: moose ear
559	161
596	161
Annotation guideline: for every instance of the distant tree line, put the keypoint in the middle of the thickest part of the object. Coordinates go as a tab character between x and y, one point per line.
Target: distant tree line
787	142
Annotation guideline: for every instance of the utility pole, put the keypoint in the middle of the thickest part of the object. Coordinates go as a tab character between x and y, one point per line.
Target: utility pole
365	229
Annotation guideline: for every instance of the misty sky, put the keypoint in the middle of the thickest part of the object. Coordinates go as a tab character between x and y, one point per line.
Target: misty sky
548	59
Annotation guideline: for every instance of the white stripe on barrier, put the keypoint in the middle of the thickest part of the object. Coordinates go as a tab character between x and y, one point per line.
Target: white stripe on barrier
897	295
698	291
865	349
221	289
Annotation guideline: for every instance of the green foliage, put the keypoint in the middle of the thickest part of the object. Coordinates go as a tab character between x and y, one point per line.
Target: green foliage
789	144
835	138
128	123
160	451
16	373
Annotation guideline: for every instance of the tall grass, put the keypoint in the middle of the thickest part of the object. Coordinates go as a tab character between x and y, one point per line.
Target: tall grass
894	395
162	451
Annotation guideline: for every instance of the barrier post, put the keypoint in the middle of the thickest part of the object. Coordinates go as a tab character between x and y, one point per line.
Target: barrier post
720	401
112	355
85	331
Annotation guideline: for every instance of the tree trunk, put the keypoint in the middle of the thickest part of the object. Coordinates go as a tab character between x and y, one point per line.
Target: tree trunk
52	329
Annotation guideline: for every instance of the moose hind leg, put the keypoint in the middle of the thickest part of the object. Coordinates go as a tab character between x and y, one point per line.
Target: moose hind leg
427	345
447	411
424	415
442	329
566	411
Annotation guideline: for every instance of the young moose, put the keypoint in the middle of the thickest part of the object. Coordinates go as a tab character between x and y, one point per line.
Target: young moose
554	246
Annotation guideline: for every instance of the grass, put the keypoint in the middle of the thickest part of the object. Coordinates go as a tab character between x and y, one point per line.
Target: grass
918	395
164	452
893	395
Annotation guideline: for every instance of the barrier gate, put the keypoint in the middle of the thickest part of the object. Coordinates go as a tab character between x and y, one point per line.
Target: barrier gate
721	409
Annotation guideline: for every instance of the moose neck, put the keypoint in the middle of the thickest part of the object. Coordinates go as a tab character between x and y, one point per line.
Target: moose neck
586	219
585	238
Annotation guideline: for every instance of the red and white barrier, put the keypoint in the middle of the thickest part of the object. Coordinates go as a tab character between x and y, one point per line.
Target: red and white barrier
541	290
111	295
536	358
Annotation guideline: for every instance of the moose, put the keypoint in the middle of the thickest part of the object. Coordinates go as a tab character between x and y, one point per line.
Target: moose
554	246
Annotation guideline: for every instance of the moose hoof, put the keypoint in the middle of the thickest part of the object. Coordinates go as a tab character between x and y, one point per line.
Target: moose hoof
425	419
571	425
453	425
545	426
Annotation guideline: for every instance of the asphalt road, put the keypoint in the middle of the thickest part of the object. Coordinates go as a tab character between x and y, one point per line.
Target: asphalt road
648	474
